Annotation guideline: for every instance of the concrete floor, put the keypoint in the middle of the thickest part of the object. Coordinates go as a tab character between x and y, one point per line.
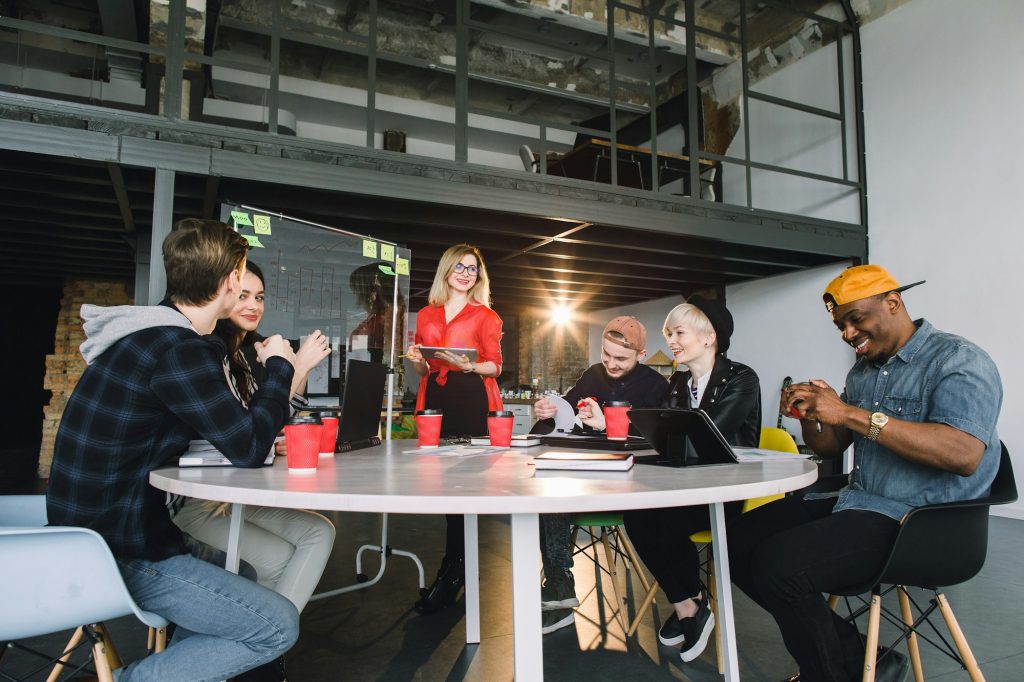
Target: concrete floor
374	634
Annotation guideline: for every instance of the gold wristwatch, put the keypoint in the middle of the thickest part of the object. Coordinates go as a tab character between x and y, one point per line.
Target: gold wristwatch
878	422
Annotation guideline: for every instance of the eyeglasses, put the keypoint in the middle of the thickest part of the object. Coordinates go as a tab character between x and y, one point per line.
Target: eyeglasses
471	269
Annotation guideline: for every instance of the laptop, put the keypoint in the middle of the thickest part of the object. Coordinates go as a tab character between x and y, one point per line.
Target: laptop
359	422
681	437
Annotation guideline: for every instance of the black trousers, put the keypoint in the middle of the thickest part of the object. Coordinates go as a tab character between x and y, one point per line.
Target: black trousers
662	540
463	404
785	554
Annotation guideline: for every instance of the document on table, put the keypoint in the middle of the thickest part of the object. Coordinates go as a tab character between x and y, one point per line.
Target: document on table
762	455
455	451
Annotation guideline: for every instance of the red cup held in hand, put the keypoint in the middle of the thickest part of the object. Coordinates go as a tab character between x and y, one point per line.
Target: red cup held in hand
428	426
616	421
499	428
328	436
302	441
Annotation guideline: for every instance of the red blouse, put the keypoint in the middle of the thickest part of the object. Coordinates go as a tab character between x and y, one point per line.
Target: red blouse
476	326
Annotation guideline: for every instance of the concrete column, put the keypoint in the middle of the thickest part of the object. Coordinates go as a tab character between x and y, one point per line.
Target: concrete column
163	218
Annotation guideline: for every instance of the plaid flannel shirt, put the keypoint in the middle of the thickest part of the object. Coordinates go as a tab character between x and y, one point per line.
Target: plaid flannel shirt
134	410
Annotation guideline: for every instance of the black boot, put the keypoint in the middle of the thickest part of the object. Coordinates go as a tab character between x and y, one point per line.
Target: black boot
450	579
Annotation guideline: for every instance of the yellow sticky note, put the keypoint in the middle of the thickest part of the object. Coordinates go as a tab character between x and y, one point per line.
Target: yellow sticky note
240	218
254	241
261	223
402	266
387	252
369	248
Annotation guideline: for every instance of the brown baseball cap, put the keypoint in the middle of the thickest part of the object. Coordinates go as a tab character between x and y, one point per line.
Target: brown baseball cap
634	336
861	281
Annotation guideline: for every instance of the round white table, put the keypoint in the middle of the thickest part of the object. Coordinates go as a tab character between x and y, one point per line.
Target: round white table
394	477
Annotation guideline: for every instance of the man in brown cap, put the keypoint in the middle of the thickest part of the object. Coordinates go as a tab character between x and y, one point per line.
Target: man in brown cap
920	409
619	376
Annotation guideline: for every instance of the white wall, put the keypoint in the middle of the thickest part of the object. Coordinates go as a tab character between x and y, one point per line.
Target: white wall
782	329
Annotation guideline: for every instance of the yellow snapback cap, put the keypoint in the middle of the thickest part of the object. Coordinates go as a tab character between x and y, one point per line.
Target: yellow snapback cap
861	281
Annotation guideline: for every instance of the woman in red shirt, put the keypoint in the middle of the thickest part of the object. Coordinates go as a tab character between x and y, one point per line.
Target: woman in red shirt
458	316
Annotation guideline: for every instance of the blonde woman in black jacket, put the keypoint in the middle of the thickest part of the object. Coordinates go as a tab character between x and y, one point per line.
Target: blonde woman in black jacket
698	334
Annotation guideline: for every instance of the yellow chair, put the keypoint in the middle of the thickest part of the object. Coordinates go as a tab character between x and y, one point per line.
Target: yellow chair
771	439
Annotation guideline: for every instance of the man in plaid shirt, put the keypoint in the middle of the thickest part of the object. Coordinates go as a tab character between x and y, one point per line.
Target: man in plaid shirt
154	382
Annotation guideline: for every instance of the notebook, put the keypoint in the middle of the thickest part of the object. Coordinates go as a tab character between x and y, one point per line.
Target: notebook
584	461
202	453
681	437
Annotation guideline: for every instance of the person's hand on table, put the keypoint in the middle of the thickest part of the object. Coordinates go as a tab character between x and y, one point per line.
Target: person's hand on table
544	409
460	362
590	413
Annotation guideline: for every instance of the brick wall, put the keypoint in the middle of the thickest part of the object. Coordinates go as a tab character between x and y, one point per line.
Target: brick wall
66	365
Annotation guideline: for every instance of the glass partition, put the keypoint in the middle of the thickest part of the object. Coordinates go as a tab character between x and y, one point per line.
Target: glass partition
352	287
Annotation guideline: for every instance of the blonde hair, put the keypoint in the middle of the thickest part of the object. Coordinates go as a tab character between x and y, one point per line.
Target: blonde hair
688	315
481	290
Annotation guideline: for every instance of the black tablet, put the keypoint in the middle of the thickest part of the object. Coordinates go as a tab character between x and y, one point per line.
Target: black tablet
682	437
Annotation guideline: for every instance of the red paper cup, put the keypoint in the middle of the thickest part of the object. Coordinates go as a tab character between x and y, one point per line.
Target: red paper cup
328	436
499	428
302	441
615	420
428	426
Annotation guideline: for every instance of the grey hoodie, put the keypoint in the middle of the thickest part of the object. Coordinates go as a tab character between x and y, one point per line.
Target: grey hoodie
105	326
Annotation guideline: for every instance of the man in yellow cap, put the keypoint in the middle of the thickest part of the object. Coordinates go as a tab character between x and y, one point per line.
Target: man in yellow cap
920	409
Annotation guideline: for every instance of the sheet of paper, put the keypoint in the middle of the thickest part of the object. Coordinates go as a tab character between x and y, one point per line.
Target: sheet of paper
456	451
761	455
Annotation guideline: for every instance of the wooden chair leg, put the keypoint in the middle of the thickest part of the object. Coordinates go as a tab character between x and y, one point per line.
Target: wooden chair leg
161	640
58	668
958	637
113	657
912	644
871	646
833	601
613	571
101	656
626	545
642	610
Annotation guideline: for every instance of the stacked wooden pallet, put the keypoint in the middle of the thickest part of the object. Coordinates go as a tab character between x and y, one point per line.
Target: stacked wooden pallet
65	366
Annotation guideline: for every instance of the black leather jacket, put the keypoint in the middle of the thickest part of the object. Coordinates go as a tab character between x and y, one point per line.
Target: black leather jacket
732	400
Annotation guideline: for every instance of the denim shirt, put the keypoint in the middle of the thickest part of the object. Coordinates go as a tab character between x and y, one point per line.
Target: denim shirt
938	378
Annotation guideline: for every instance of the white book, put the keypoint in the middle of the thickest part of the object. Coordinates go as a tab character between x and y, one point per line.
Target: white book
762	455
202	453
584	461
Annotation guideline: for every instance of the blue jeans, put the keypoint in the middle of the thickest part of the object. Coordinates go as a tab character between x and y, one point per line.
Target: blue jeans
226	623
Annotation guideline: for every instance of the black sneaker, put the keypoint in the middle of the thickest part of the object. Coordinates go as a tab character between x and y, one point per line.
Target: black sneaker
555	619
671	632
697	630
559	591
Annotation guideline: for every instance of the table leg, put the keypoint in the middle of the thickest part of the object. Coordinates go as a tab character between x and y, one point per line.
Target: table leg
472	580
723	585
234	537
526	636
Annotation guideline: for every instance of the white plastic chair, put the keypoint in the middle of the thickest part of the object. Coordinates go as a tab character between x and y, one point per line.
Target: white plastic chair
530	163
59	578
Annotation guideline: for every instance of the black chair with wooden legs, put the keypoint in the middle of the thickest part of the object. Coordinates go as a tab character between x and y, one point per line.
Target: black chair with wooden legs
937	546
